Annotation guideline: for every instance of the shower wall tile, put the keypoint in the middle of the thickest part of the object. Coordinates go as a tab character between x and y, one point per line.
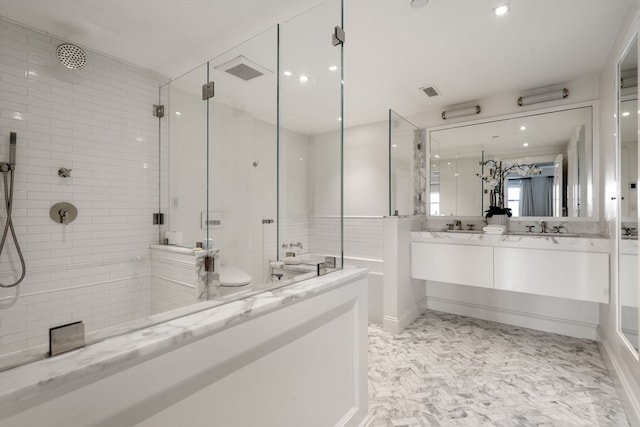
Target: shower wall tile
363	236
96	121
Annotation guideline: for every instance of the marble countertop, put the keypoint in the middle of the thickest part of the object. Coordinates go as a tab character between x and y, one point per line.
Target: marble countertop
197	252
29	381
553	241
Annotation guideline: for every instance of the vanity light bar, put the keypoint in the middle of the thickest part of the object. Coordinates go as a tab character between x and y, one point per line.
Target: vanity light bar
469	111
553	95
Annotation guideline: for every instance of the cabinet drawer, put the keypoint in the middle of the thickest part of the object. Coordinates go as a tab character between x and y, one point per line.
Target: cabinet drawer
575	275
461	264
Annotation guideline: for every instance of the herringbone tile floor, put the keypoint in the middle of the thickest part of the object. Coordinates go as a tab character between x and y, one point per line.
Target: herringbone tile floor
448	370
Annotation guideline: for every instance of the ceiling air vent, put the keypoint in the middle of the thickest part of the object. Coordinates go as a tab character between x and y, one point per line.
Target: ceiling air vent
243	68
430	91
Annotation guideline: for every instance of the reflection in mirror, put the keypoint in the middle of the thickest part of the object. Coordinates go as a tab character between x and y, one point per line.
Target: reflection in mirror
558	143
628	200
406	154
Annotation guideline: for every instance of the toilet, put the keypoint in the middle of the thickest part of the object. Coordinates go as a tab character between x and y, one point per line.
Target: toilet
233	279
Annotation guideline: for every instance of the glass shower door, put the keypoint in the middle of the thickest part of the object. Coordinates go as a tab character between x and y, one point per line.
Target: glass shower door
310	143
242	161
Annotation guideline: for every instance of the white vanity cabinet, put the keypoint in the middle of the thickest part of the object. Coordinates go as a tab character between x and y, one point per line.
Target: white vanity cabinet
461	264
565	267
565	274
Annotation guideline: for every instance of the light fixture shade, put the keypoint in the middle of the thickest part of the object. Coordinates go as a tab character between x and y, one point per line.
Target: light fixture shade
469	111
553	95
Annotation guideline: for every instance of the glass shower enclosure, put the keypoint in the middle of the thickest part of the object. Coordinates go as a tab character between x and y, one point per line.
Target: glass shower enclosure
238	153
407	167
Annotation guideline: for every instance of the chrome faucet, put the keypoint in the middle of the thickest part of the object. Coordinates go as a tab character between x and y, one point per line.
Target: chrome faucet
458	224
295	245
543	226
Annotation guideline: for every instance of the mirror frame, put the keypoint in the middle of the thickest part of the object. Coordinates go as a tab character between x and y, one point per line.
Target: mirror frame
635	38
593	189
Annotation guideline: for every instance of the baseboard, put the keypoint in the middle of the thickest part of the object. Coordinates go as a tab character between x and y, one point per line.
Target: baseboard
395	325
366	422
516	318
623	388
349	419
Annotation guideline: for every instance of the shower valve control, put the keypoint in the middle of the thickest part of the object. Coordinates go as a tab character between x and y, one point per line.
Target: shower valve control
63	213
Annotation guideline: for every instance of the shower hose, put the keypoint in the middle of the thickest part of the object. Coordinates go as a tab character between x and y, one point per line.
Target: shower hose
7	170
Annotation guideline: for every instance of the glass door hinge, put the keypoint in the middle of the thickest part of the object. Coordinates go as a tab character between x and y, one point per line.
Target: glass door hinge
158	219
207	91
209	264
337	37
158	111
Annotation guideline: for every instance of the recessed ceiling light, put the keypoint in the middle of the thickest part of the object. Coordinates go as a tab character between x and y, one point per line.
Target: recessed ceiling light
394	145
626	113
456	174
501	10
303	78
178	113
301	158
288	73
523	128
437	156
526	144
448	163
333	68
339	119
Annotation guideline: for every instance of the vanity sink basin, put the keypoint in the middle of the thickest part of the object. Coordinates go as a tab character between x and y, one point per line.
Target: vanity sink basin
526	233
464	231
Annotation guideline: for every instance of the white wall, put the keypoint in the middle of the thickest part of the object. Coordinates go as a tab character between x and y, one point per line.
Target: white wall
404	297
98	122
366	165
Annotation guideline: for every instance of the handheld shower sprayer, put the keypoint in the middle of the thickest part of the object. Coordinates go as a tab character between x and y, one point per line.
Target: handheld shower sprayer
13	137
7	170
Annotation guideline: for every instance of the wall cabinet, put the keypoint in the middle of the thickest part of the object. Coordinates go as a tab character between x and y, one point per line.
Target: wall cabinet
558	273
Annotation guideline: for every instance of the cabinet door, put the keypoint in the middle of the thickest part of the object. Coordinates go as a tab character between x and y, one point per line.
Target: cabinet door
461	264
574	275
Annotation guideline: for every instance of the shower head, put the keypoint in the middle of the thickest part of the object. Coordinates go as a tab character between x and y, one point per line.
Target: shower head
71	56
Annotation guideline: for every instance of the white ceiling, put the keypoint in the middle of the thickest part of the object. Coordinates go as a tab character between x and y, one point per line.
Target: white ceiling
391	49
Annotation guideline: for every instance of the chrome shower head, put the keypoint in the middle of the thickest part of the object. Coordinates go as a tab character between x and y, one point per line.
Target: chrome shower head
71	56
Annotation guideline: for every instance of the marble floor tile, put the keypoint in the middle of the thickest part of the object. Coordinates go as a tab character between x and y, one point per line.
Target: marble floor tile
449	370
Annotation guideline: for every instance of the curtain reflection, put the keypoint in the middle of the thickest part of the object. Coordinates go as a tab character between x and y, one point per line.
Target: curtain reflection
533	196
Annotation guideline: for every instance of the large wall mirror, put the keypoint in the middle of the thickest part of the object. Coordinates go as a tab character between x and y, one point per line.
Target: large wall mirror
628	201
557	143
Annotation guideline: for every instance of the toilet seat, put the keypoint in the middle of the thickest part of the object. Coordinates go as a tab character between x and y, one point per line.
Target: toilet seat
231	276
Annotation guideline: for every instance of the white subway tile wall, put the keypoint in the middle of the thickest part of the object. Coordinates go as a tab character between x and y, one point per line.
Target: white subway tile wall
295	229
96	121
174	279
363	236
